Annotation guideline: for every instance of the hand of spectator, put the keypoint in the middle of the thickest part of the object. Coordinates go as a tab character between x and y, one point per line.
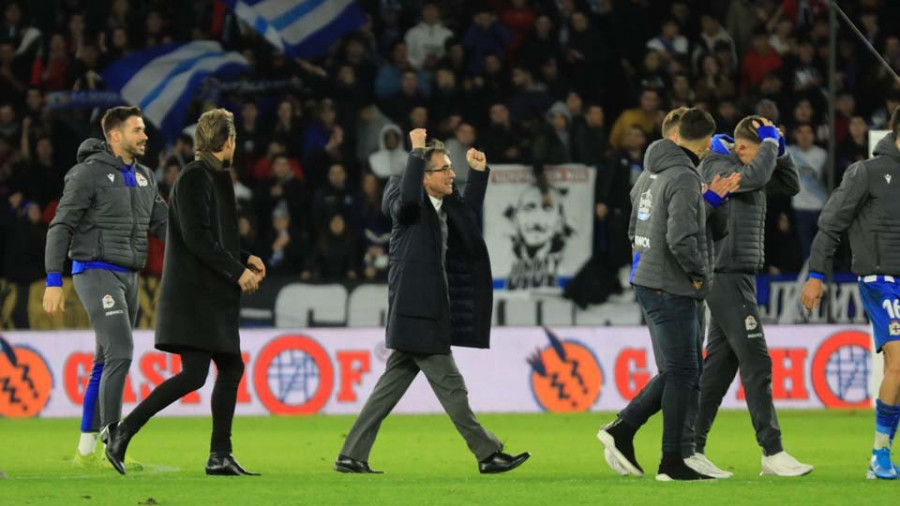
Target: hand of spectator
511	153
336	139
812	293
281	242
476	159
255	264
574	55
602	211
417	138
370	273
312	69
351	275
305	276
277	191
54	300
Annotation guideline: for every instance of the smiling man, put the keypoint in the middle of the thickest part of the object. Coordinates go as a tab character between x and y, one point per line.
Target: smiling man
439	296
109	204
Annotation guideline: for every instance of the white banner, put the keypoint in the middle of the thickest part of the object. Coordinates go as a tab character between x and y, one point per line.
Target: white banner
536	244
528	369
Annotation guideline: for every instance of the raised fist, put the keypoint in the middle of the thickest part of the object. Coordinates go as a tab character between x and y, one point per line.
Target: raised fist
417	137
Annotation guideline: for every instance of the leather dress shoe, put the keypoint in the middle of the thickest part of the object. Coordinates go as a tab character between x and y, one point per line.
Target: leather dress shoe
501	462
224	464
347	465
116	437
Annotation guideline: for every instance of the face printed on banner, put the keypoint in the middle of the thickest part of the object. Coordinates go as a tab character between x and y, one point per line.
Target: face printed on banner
538	221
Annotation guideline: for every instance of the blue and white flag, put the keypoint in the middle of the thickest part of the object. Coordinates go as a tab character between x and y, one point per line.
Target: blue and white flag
300	28
162	80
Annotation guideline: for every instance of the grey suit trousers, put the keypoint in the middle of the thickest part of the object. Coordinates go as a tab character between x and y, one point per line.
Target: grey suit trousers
448	385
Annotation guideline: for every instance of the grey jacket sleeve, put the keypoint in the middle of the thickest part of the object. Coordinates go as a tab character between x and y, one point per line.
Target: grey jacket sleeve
78	194
754	176
682	227
837	215
634	194
717	220
159	217
785	180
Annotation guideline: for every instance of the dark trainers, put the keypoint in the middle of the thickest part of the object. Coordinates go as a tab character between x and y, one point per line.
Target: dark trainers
674	469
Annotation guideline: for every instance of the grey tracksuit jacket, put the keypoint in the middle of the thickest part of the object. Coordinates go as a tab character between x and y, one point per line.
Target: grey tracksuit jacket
668	229
100	217
868	203
743	250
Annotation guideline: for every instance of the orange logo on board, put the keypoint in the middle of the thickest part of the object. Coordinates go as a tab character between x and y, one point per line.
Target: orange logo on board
25	382
566	376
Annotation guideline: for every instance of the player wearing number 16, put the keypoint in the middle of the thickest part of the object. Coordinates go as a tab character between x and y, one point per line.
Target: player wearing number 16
868	204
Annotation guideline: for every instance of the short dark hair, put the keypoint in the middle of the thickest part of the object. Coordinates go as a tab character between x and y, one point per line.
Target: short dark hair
696	125
672	120
115	117
895	121
745	130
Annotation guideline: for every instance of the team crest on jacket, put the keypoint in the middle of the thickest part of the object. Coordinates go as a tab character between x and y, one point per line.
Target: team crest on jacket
750	323
645	205
108	301
887	177
111	176
141	180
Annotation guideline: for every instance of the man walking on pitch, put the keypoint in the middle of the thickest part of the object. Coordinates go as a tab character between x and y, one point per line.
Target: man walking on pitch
670	275
204	274
648	402
109	204
440	295
736	339
868	204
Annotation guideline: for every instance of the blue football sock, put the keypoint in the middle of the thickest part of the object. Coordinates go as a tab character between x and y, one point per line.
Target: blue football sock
88	422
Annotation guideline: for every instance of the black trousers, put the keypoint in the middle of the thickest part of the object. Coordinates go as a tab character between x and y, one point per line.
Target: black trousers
737	342
674	323
195	369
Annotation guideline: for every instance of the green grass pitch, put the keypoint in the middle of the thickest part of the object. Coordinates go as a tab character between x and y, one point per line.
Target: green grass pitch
426	462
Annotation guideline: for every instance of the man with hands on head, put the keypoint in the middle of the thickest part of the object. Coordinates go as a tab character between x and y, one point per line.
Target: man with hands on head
736	338
440	295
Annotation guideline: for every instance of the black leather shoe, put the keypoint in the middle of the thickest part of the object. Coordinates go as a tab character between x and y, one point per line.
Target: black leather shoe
501	462
116	437
347	465
223	464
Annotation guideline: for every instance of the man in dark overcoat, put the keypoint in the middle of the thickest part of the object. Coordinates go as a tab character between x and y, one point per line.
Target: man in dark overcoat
440	294
204	274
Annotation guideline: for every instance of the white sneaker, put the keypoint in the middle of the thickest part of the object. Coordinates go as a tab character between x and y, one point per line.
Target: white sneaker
783	464
614	464
698	462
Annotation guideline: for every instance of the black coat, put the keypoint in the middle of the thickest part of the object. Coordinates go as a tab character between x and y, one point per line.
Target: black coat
200	299
421	319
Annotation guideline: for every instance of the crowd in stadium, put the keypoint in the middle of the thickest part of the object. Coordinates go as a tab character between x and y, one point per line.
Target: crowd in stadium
538	82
